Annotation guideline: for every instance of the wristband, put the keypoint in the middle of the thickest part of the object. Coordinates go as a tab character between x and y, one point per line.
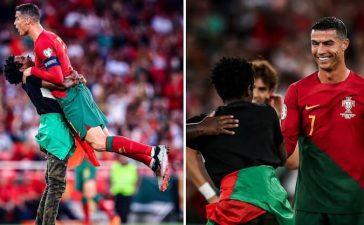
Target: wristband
206	190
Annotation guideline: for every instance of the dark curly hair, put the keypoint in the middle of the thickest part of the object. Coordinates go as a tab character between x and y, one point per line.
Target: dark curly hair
232	77
12	72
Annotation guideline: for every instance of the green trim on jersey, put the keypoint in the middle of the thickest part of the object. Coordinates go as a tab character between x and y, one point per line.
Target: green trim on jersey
210	222
54	135
323	186
109	143
260	186
81	111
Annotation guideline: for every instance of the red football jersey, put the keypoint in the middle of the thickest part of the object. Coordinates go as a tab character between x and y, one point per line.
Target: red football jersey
332	116
51	60
327	120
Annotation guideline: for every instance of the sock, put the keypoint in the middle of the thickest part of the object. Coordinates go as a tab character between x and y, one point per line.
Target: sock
123	145
86	213
146	159
102	206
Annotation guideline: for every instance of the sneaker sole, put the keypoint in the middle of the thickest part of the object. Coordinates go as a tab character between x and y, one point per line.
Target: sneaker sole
163	179
163	182
164	160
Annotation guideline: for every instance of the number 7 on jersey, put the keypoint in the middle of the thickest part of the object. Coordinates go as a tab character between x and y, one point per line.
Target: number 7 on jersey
312	118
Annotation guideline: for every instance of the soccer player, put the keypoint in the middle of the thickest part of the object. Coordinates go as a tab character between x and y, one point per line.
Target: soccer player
243	165
52	64
85	177
324	112
54	136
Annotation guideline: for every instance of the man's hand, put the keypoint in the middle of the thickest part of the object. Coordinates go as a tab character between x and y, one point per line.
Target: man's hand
212	125
292	162
276	101
70	81
26	73
213	199
73	79
218	125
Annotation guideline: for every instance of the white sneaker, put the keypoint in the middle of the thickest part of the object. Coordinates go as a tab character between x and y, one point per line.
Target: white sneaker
161	158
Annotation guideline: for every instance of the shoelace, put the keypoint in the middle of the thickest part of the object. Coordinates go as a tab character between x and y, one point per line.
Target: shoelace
156	163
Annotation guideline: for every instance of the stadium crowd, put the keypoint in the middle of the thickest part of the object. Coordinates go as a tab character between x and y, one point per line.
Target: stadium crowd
131	53
274	30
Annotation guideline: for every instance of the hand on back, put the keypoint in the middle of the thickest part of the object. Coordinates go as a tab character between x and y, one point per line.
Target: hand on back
215	125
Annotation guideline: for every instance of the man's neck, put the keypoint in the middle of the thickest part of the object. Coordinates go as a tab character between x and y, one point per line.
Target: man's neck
335	76
243	98
35	31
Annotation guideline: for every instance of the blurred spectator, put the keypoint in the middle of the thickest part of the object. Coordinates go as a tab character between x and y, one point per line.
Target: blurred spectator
123	189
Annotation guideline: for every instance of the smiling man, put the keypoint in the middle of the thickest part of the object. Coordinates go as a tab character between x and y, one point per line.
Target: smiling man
325	113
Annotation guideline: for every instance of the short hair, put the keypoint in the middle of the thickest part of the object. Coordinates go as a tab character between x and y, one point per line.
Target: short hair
232	77
29	9
265	71
328	23
12	71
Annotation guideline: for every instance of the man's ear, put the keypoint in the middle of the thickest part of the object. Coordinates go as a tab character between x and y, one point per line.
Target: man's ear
345	44
28	20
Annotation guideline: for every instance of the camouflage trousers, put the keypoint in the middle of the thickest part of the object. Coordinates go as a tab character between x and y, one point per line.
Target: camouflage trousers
55	177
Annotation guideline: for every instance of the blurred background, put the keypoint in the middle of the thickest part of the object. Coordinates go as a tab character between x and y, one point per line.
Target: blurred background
275	30
131	53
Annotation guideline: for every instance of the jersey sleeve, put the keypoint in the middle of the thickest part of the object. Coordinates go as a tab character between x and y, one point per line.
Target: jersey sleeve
46	52
291	119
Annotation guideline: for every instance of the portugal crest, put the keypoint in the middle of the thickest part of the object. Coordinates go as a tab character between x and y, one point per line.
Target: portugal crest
284	112
47	52
348	105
